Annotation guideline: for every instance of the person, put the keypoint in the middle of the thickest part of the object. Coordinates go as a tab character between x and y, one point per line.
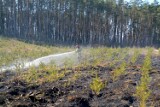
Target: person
78	50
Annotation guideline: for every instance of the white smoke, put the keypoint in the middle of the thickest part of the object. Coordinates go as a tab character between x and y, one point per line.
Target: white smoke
57	58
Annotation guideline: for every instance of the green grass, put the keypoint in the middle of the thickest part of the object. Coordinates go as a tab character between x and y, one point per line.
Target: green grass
142	90
12	50
97	85
43	74
135	56
119	71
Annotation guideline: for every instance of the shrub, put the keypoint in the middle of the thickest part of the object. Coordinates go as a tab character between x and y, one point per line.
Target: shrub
97	85
135	56
119	71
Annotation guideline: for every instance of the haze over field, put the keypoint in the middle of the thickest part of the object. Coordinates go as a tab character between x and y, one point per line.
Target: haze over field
149	1
58	59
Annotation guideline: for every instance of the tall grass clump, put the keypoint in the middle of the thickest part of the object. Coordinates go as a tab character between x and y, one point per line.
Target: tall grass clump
45	73
119	71
97	85
117	55
31	75
142	90
135	56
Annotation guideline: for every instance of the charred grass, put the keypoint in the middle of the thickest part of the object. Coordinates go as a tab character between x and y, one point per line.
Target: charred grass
72	87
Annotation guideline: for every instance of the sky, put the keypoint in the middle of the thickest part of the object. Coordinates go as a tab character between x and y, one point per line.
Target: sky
150	1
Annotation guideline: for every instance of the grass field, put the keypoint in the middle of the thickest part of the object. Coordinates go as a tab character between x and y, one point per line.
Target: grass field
12	50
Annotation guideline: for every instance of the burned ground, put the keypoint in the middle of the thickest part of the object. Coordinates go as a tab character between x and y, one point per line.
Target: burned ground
16	92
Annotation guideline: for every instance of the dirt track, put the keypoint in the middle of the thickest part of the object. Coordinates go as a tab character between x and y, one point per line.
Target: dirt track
18	93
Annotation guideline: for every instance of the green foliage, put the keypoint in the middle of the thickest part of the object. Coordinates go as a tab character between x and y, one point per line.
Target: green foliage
135	56
123	54
106	55
43	74
53	75
97	85
109	54
142	90
32	75
119	71
147	63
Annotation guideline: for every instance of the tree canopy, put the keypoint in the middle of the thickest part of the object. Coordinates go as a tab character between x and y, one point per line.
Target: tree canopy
102	22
